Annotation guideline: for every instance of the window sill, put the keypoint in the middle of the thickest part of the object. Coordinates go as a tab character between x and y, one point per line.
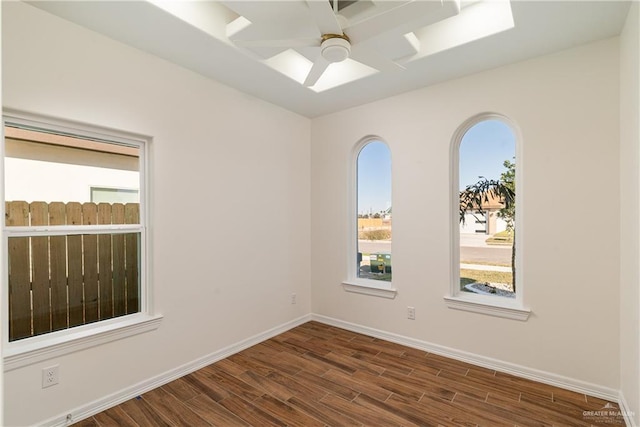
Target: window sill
33	350
370	289
492	306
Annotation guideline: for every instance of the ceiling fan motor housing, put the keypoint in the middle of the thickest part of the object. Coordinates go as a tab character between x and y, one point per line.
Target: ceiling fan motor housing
336	48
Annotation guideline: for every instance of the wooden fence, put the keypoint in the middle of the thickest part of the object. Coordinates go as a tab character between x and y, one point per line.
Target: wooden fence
58	282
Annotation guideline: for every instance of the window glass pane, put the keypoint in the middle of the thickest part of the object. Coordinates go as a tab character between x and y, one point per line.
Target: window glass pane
58	279
487	209
41	166
114	195
60	282
374	212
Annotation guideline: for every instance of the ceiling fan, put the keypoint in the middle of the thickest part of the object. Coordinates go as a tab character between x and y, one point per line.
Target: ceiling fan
340	38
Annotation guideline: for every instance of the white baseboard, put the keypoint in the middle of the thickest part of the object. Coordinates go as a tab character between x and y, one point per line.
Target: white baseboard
626	412
121	396
107	402
475	359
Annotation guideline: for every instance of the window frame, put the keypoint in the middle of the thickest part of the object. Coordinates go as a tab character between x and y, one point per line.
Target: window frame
510	308
353	283
31	350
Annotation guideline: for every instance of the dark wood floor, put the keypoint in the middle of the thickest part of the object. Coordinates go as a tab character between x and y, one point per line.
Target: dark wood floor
318	375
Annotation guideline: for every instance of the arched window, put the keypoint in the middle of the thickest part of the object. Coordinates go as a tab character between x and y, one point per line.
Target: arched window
486	203
373	211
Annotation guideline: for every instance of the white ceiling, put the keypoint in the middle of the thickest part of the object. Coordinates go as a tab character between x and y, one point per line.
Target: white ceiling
460	39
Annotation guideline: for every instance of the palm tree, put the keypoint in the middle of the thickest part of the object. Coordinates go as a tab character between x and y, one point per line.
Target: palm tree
475	196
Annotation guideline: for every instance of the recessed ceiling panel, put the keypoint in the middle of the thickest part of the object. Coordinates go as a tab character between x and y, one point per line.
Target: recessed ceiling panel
371	33
451	41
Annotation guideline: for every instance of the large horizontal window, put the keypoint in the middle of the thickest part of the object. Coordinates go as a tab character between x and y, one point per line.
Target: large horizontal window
74	229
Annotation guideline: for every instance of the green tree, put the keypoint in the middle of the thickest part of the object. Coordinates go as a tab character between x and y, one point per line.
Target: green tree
475	196
508	178
508	213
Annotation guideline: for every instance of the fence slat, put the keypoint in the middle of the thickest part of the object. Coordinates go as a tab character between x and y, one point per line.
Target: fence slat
74	267
58	265
40	268
132	216
104	264
57	282
17	214
119	285
90	263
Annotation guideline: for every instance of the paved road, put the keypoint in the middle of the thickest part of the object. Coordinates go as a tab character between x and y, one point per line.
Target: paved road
472	249
497	254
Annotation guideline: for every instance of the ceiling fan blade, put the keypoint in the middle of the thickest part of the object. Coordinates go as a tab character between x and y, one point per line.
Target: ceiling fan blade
373	59
316	71
278	43
397	18
325	18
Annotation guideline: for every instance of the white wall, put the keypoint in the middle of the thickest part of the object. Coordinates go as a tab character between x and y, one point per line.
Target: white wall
566	106
49	173
218	157
32	180
2	332
247	156
630	211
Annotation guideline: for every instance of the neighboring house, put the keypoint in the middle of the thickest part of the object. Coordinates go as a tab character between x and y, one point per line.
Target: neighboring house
485	223
50	168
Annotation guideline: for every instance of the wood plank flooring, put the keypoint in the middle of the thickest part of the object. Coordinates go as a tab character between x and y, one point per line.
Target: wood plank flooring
319	375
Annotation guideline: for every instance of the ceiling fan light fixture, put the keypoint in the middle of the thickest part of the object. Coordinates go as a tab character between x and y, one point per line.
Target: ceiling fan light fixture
335	47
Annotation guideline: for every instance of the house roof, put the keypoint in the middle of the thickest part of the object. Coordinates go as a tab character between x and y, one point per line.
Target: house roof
492	202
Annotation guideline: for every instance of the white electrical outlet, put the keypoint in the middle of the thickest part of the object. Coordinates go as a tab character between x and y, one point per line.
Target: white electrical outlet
411	313
50	376
294	298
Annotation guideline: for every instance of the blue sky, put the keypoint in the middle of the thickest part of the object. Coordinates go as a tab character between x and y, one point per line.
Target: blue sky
483	150
374	178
